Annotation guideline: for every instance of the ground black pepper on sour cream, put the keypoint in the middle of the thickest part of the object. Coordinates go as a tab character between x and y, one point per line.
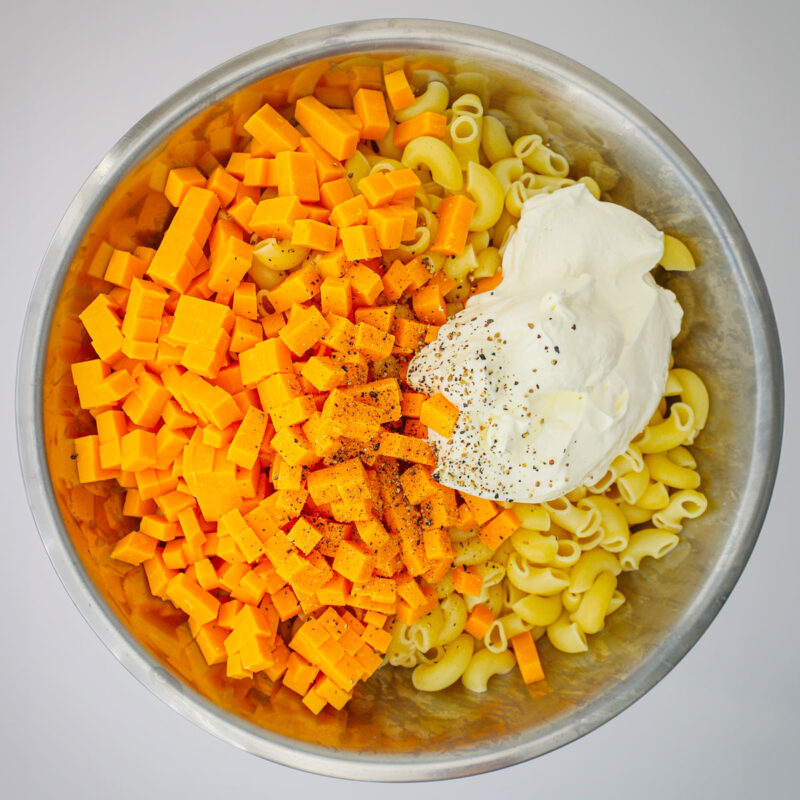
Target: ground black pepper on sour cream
559	367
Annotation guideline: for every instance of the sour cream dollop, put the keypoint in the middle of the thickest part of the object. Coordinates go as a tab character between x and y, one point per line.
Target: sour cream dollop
559	367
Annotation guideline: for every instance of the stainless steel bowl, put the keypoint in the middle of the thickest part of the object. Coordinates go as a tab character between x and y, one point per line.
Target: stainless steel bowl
730	337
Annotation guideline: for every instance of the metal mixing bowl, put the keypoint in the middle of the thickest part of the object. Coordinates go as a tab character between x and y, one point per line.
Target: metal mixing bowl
392	732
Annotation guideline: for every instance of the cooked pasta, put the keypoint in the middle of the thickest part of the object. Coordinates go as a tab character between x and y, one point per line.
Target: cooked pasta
566	635
570	600
455	618
567	554
634	515
647	542
532	516
470	552
534	546
539	157
538	610
491	573
506	171
583	522
357	167
673	431
654	497
425	633
279	255
558	572
593	609
447	668
468	105
515	198
589	566
434	154
435	98
592	185
487	192
495	639
633	484
694	394
662	468
484	665
494	140
536	580
677	256
684	504
489	261
615	528
465	139
500	231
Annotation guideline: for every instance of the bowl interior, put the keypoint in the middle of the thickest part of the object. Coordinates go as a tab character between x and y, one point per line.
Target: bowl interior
668	601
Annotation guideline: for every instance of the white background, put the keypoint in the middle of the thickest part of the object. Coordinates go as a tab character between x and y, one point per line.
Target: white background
76	75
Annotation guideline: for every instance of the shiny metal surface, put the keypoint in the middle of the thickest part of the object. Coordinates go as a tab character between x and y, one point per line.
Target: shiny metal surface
393	732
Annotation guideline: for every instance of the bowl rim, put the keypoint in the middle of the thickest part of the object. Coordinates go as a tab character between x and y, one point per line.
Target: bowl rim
213	86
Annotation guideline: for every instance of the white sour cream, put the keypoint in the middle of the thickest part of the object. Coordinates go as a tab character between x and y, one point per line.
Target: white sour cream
559	367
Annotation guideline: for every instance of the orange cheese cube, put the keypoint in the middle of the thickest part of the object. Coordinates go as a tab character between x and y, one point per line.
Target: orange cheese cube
370	106
187	595
180	180
377	189
398	90
467	581
134	548
497	530
304	330
439	414
272	131
335	192
264	359
277	216
314	235
354	561
297	175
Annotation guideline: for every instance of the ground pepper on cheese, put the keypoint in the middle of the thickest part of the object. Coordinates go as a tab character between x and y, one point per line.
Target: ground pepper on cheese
265	436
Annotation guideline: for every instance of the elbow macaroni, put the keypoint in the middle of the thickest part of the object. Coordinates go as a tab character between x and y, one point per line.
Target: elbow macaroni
583	522
648	542
535	580
468	105
465	139
534	546
495	142
685	504
484	665
673	431
595	602
557	574
484	188
438	158
539	157
506	171
445	670
435	98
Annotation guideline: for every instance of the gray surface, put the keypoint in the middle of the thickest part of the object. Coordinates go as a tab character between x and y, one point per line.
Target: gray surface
722	722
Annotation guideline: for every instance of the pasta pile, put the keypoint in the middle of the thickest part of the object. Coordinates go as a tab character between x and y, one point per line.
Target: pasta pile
250	398
558	573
